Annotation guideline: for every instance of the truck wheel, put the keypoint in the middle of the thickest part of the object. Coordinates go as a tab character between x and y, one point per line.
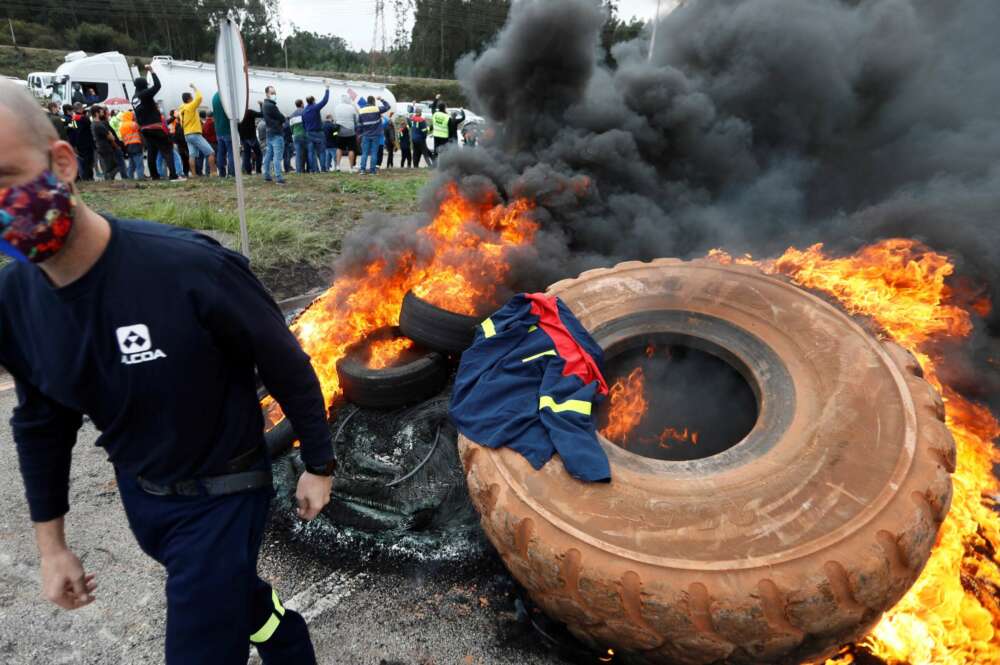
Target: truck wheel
778	549
418	375
436	328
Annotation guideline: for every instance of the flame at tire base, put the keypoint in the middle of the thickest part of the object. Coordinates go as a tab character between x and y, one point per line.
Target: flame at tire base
951	614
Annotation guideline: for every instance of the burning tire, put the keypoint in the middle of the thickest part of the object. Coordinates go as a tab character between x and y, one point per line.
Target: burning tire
436	328
387	370
775	548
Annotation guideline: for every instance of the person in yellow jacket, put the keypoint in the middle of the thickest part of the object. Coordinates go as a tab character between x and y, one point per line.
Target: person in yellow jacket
198	146
128	132
439	128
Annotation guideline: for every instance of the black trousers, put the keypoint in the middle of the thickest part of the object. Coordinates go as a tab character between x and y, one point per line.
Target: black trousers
407	158
86	159
111	162
217	606
157	142
420	150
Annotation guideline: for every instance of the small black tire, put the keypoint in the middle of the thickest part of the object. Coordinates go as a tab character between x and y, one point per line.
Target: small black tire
279	439
421	375
436	328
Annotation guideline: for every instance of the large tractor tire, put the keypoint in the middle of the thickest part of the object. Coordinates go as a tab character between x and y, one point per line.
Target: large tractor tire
778	550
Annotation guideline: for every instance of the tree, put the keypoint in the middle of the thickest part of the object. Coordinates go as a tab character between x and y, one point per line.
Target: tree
616	30
445	30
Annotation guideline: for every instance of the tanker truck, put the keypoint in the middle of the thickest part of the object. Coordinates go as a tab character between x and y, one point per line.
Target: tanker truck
108	79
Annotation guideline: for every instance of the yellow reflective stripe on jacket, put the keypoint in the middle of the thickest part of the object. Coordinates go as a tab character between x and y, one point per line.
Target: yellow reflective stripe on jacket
575	405
368	109
532	328
488	328
271	625
550	352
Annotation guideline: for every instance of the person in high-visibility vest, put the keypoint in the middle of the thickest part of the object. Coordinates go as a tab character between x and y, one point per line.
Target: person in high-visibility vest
439	123
128	132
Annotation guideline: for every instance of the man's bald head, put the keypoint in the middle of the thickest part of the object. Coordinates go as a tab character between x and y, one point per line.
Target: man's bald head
24	118
29	143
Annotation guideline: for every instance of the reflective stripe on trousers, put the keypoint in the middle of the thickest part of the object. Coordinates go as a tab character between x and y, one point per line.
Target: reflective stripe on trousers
272	623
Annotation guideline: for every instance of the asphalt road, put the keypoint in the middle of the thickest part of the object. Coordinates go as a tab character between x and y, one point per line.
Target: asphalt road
364	607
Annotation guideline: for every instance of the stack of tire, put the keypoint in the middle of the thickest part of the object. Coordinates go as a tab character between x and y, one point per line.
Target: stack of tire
422	371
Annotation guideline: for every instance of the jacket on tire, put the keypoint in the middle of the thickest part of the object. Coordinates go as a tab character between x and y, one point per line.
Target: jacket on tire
529	381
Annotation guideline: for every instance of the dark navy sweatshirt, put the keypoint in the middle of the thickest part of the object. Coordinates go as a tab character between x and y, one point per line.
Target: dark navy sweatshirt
157	344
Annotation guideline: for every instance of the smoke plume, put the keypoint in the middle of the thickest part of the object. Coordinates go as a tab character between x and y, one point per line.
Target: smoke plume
752	126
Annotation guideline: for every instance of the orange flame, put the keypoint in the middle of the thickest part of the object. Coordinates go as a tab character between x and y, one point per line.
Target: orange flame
951	615
383	353
465	256
677	436
627	406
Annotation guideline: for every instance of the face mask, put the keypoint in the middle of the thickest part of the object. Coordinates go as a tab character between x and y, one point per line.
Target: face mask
36	218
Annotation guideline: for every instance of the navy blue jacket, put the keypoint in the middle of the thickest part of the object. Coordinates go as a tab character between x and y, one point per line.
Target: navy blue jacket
370	118
310	115
157	344
529	381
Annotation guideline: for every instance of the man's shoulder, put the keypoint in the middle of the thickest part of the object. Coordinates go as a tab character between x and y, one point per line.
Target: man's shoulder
172	244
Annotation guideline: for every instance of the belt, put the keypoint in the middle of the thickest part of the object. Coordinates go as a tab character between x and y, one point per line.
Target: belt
210	486
238	479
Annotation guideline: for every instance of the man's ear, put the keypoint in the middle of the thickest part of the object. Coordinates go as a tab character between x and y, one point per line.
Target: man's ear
64	163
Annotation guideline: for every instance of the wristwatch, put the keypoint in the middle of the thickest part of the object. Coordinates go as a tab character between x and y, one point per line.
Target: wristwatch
324	469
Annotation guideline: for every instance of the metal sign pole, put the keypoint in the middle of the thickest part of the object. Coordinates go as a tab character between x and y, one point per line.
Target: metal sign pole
232	77
234	137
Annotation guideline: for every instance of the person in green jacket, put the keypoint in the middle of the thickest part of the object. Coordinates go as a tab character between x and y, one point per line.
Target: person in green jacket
439	123
223	139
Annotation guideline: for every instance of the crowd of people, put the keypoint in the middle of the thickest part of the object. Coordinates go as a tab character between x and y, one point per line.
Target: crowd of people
188	141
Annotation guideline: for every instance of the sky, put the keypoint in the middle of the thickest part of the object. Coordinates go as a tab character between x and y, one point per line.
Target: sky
354	19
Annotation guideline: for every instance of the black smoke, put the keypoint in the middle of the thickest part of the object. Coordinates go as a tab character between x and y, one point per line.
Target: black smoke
753	125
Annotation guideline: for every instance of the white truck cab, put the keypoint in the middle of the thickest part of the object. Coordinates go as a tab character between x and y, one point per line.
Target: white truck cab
95	79
40	84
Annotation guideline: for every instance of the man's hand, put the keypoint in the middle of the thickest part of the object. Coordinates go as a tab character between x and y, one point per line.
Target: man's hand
326	82
64	581
148	68
313	494
192	86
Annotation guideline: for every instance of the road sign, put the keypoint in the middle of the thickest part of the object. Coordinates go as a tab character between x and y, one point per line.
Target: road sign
232	76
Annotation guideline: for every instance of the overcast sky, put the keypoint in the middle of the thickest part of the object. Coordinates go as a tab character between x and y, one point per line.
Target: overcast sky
354	20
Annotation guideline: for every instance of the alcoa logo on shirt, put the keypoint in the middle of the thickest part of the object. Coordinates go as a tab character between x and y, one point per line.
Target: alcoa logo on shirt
136	345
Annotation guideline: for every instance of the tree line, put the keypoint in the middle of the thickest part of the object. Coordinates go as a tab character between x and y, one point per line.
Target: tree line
442	32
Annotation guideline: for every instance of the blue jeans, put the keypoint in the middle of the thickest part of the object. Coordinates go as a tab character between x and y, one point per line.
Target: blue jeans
273	155
301	144
224	156
161	165
317	151
369	151
136	165
329	158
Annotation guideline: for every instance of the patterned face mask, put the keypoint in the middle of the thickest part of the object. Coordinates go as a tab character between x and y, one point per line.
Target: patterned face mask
36	218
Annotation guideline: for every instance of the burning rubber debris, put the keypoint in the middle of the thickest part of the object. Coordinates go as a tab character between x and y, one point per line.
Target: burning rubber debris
754	125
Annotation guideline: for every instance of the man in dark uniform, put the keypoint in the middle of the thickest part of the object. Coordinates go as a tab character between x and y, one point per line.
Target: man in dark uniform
153	332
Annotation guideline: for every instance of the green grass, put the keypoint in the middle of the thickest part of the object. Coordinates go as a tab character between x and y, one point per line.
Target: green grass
295	230
274	238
